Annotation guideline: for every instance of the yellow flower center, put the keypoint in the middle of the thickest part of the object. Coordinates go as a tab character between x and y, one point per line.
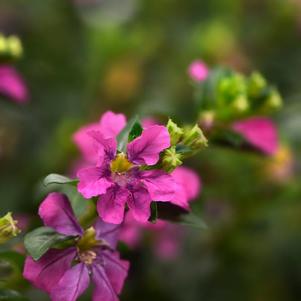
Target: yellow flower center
121	164
88	240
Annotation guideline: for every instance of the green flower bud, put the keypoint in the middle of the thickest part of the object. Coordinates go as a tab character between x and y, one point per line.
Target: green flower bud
14	46
3	45
274	100
175	132
256	84
171	159
8	228
194	138
240	104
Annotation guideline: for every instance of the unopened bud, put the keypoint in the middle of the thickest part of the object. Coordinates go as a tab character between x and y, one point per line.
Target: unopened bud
171	159
3	46
14	46
8	228
175	132
274	100
256	84
194	138
240	104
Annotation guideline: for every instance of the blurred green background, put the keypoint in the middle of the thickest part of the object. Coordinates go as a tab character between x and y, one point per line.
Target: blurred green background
86	56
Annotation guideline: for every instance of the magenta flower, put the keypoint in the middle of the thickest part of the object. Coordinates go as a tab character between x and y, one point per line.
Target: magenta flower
198	71
65	273
12	85
118	179
259	132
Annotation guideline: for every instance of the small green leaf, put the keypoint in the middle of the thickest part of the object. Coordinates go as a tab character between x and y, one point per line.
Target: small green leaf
10	295
136	131
123	137
58	179
193	220
154	213
40	240
183	149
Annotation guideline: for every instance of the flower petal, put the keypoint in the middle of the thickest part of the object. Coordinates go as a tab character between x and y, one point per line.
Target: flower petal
57	213
46	272
116	269
106	147
111	205
93	181
160	185
111	124
260	132
103	287
12	85
85	143
107	232
139	203
146	148
190	181
74	282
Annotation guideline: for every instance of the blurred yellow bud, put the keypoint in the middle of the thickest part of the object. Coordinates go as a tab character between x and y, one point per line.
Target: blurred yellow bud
175	132
14	46
8	228
171	159
240	104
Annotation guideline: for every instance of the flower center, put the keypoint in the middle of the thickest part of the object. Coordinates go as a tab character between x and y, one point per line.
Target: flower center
87	257
120	164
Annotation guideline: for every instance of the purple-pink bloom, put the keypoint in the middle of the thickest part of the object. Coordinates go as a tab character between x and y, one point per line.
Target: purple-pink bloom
117	178
198	71
259	132
12	84
66	273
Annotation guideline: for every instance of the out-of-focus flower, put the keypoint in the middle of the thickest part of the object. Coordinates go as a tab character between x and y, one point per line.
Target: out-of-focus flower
166	236
259	132
8	228
12	84
118	179
198	71
10	47
280	166
65	273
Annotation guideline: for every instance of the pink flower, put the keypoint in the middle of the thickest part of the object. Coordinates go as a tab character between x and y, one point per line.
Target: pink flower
166	236
12	85
259	132
198	71
65	273
118	179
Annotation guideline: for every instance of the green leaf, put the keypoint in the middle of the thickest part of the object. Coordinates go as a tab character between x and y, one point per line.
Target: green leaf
136	131
40	240
13	257
10	295
183	149
123	137
58	179
193	220
154	212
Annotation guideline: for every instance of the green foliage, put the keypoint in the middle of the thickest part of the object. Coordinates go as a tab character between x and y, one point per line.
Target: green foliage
40	240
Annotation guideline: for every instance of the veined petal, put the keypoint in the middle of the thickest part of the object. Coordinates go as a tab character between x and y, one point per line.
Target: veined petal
74	282
85	143
93	181
107	232
111	205
146	148
103	288
111	124
57	213
116	269
47	271
139	203
160	185
260	132
106	147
